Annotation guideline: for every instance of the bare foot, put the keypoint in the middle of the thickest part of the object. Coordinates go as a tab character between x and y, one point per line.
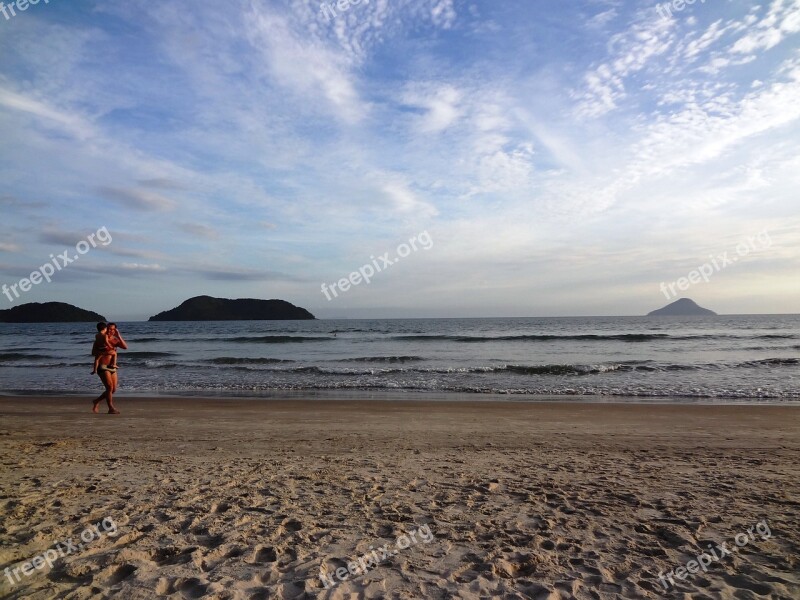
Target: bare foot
113	411
94	407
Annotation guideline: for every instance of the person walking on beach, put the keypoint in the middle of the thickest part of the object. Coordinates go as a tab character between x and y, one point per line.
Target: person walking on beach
116	341
106	343
101	345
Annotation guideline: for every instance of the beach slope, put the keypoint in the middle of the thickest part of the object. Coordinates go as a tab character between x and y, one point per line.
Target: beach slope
194	498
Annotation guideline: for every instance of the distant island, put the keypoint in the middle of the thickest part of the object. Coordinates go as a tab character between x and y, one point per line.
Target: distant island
48	312
681	308
206	308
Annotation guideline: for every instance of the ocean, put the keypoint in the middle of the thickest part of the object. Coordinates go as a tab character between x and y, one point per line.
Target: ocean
723	358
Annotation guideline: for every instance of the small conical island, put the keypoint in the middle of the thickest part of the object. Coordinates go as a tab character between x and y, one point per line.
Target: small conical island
684	307
206	308
48	312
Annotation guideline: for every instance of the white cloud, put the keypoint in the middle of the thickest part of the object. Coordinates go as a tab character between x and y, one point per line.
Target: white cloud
440	104
143	267
629	53
443	13
404	201
782	19
305	65
46	114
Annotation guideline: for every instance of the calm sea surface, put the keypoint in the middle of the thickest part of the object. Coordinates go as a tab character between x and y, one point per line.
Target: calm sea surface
719	358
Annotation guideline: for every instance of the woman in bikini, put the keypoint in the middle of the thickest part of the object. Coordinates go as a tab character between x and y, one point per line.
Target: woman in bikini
105	350
117	342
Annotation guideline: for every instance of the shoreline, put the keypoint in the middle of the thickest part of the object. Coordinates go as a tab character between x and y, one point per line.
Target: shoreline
332	395
240	499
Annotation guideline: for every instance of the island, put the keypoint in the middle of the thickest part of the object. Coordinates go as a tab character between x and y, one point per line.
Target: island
682	308
206	308
48	312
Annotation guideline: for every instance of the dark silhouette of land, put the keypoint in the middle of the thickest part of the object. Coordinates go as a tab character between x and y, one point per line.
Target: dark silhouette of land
681	308
48	312
206	308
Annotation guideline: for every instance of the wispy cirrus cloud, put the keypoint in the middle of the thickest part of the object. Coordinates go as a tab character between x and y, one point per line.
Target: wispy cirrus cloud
45	114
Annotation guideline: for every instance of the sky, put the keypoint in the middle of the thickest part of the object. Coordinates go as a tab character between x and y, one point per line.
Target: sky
547	157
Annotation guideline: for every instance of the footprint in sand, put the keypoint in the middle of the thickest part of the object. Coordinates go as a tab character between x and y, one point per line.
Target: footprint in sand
743	582
265	554
191	588
122	573
220	508
171	555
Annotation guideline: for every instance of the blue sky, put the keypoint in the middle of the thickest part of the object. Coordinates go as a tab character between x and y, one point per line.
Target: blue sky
564	157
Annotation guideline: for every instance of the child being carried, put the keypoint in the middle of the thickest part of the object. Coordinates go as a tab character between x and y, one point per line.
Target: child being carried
104	346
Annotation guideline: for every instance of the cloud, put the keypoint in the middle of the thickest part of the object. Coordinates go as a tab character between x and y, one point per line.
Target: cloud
46	114
782	19
304	65
302	142
136	198
150	268
70	238
199	230
241	275
145	254
61	238
403	200
18	204
443	14
603	18
629	53
161	183
440	106
704	131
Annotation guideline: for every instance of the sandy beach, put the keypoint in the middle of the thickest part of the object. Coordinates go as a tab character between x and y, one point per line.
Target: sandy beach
250	499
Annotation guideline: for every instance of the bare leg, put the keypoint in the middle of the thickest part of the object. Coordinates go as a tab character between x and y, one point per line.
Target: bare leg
111	408
96	402
109	393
